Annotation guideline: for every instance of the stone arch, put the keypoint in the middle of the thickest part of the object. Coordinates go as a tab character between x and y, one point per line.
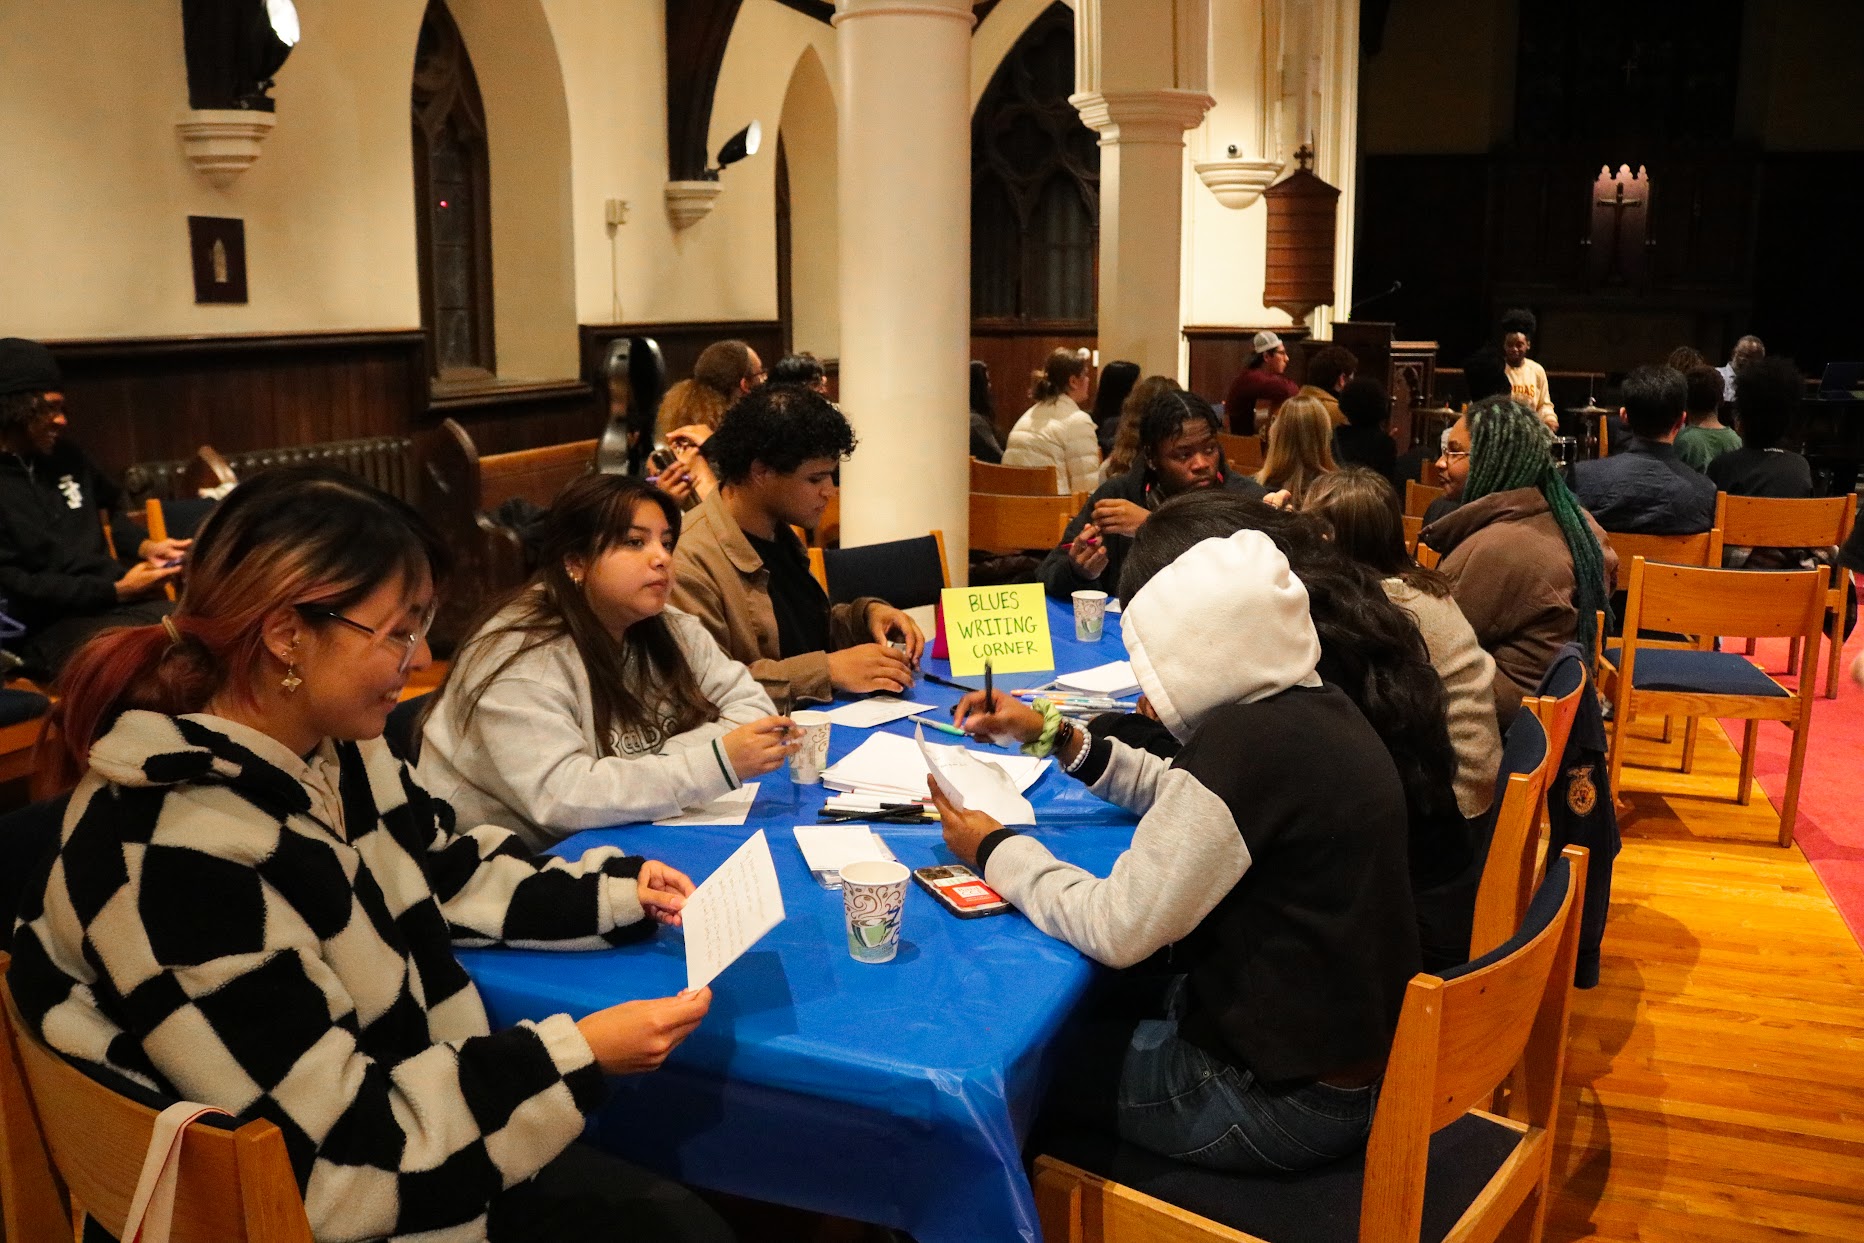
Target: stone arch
528	136
996	35
807	128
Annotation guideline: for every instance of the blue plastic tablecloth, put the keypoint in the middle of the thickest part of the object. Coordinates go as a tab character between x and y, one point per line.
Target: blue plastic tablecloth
898	1094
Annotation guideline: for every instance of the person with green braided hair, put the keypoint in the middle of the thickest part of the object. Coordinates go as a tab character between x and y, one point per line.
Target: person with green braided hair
1527	564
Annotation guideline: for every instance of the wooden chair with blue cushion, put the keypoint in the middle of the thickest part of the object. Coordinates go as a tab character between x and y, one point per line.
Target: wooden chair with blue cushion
1812	522
1511	856
906	573
1705	550
1437	1167
73	1142
1700	682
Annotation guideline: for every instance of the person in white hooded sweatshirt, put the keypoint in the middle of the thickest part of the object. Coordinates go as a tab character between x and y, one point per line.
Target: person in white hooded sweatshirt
1270	856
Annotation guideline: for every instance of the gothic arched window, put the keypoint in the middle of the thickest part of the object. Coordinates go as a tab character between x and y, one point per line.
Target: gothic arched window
452	194
1035	187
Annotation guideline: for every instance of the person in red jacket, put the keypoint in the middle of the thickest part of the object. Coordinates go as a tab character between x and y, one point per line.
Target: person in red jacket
1261	379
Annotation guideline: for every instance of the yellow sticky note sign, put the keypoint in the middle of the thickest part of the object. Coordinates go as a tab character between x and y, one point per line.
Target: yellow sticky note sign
1007	626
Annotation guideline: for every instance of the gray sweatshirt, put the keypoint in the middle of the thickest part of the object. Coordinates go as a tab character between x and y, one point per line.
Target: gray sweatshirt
528	759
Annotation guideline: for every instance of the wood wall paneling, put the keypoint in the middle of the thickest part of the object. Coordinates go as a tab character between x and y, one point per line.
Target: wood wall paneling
1013	354
1218	352
680	343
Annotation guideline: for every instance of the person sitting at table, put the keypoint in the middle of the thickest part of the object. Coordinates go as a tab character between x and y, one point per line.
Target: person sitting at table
254	905
1285	903
743	573
1373	650
582	700
1648	489
1178	451
1300	448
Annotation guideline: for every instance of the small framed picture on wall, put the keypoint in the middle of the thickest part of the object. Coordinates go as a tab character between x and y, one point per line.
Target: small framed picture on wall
218	247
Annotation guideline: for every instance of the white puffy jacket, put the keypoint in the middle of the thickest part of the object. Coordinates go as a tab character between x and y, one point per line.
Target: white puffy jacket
1057	433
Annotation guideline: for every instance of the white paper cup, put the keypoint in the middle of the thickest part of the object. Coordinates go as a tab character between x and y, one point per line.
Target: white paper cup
872	895
811	754
1090	616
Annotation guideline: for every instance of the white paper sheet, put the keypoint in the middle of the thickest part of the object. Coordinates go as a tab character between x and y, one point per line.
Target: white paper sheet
879	710
892	768
1113	605
974	783
731	911
827	848
726	809
1114	678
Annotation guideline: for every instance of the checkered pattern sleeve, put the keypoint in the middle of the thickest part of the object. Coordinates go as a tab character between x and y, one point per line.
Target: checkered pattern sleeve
494	891
251	979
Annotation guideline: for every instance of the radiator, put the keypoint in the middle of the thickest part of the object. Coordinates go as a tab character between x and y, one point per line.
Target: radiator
384	461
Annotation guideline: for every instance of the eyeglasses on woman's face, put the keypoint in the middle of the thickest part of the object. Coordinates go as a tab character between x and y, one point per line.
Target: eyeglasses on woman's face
408	639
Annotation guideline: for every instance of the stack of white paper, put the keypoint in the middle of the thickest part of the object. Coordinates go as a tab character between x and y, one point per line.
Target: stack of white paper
890	768
828	848
1114	679
878	710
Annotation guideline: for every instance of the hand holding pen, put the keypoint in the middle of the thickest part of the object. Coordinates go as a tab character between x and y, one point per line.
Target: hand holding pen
1088	552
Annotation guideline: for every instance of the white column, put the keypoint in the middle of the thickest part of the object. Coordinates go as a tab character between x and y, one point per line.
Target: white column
1142	176
905	68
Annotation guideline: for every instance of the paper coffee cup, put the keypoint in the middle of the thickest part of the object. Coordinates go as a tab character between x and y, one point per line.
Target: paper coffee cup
1090	615
872	895
811	754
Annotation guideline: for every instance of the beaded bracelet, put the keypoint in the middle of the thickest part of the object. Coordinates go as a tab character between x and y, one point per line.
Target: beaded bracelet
1044	744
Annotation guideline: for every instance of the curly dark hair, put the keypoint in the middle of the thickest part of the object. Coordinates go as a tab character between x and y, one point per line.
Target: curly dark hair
1519	319
804	368
782	426
1328	364
1166	412
1369	647
1767	392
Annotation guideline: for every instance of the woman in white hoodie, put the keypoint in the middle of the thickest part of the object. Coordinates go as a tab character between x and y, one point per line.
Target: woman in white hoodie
1270	856
1055	431
584	700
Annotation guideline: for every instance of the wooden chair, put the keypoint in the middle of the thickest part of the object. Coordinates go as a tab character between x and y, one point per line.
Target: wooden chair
1242	453
1427	556
1704	550
1818	522
1418	496
818	570
1514	838
70	1145
1438	1165
1700	682
1013	480
1015	523
906	573
22	707
1413	525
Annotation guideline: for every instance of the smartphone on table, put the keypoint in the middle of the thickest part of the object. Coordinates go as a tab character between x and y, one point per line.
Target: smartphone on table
959	890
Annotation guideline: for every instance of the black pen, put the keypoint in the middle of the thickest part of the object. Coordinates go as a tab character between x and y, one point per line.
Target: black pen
990	695
936	680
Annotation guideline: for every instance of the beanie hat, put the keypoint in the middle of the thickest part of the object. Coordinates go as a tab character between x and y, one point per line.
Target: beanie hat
27	367
1225	623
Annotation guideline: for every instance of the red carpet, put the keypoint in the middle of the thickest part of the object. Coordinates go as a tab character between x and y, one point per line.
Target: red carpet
1831	796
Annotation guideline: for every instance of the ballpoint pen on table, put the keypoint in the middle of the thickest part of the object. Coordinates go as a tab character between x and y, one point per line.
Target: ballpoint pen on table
936	680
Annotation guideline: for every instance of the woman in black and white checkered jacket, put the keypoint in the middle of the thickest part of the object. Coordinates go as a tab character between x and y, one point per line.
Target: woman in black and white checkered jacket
253	904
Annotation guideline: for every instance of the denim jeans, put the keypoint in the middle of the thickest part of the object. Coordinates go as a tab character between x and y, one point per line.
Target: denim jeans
1180	1102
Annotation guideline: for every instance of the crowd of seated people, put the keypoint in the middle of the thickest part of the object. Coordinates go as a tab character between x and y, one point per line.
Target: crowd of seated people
648	666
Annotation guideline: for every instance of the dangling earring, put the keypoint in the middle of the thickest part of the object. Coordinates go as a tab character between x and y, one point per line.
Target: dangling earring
291	681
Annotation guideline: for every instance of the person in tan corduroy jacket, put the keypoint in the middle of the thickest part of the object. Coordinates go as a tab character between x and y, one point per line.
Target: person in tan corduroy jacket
741	571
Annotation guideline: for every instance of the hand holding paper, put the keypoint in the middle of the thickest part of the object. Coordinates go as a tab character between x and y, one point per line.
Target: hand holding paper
969	782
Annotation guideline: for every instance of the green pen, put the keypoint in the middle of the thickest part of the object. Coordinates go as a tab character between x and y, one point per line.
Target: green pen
940	726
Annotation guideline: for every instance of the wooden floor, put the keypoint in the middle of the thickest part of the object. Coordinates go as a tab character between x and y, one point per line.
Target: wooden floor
1715	1077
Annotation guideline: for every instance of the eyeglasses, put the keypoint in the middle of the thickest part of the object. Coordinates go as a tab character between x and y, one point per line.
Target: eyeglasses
1449	453
410	640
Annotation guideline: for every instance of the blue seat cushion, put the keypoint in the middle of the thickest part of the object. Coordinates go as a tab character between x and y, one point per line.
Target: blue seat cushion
1701	673
21	705
1317	1206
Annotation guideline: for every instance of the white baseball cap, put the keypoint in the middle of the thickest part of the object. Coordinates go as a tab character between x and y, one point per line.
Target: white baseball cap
1266	341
